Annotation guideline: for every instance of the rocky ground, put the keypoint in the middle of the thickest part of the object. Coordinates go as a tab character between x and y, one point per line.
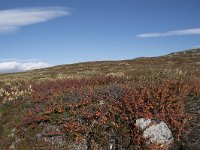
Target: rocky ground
191	139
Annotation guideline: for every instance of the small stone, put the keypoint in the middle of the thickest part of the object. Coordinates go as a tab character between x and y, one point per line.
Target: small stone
101	102
12	146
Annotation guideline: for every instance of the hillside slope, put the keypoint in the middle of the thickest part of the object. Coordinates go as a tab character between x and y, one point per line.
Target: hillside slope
187	61
95	105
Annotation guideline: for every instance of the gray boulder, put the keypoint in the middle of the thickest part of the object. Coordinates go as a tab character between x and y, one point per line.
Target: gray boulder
156	132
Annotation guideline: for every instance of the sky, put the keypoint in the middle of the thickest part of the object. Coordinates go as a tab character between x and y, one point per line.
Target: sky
43	33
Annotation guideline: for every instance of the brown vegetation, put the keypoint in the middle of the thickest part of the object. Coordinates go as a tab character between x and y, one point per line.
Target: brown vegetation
98	107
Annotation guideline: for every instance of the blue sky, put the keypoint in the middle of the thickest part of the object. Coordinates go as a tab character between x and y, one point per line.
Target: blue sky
39	33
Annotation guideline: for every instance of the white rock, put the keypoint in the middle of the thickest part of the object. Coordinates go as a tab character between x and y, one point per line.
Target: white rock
101	102
159	133
143	123
155	132
111	146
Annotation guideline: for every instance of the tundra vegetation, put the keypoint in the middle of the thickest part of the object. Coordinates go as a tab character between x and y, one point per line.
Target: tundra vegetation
95	105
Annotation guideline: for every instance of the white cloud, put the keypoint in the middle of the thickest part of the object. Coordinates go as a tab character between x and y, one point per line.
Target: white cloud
14	66
193	31
13	19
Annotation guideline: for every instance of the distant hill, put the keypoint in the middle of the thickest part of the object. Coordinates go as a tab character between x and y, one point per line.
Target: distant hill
187	60
195	51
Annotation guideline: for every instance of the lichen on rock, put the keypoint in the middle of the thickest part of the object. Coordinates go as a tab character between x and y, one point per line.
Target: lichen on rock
155	132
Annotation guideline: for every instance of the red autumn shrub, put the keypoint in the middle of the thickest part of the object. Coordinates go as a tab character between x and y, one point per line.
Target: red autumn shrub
106	113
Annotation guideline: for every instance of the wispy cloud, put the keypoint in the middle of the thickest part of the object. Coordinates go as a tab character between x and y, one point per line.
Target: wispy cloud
192	31
13	19
14	66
